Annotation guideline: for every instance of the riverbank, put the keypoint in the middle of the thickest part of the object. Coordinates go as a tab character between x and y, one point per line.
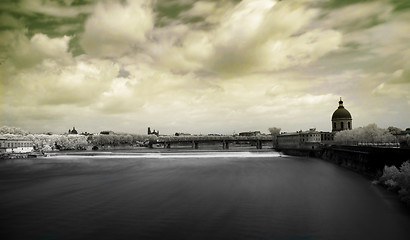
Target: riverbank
369	161
20	155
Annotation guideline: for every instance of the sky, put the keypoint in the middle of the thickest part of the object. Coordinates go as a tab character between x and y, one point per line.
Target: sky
202	67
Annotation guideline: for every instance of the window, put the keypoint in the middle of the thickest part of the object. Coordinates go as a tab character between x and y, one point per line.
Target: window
348	125
342	125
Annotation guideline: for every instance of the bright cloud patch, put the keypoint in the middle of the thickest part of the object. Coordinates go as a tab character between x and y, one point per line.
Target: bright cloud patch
116	28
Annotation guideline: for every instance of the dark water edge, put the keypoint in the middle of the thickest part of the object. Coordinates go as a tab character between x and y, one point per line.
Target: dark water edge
188	195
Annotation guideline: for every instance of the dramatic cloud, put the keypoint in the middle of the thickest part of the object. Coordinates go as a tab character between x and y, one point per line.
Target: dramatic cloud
45	7
116	28
202	66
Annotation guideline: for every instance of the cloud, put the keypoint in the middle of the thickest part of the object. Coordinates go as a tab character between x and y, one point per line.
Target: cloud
383	47
262	36
22	52
401	76
252	36
50	47
361	15
50	83
179	48
396	86
8	21
200	9
116	28
51	8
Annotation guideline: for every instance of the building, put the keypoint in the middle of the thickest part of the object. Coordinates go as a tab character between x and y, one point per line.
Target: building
15	146
106	132
180	134
341	119
402	137
310	139
72	131
250	134
153	132
327	137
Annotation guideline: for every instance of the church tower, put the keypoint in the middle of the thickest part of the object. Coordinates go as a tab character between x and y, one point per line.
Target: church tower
341	118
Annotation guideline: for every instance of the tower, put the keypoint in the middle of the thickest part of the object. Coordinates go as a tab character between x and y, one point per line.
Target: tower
341	118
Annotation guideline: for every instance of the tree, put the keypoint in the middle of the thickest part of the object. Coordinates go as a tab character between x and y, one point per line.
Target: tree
368	134
398	180
274	131
12	130
394	130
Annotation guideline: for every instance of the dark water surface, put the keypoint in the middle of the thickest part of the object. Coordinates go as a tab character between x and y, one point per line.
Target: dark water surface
193	196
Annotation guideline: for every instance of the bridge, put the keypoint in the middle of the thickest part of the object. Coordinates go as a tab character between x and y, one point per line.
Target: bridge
168	141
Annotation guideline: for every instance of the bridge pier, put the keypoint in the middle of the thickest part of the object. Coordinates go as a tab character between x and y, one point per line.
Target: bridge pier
225	145
195	145
258	144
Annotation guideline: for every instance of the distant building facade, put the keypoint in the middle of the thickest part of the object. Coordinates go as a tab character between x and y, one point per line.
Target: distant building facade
341	119
178	134
153	132
327	137
16	146
301	139
107	132
249	134
402	138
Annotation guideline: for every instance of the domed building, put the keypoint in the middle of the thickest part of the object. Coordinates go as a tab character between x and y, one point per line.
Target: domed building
341	118
72	131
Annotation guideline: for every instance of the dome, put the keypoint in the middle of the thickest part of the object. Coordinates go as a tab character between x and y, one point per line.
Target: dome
341	112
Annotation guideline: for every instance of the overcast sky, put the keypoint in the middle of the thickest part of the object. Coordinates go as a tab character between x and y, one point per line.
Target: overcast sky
202	66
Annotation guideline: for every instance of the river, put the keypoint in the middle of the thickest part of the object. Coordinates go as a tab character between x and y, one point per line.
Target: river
193	195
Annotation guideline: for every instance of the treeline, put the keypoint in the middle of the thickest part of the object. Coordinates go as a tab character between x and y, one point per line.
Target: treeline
398	180
120	139
12	130
370	134
49	142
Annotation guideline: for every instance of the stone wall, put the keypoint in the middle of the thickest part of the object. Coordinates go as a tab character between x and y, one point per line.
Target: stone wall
367	160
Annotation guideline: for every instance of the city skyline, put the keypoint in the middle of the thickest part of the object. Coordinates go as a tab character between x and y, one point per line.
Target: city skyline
202	66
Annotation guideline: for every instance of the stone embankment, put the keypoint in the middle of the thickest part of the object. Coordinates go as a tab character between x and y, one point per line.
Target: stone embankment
369	161
19	155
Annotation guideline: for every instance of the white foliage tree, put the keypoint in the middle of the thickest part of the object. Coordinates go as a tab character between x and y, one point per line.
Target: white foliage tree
368	134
